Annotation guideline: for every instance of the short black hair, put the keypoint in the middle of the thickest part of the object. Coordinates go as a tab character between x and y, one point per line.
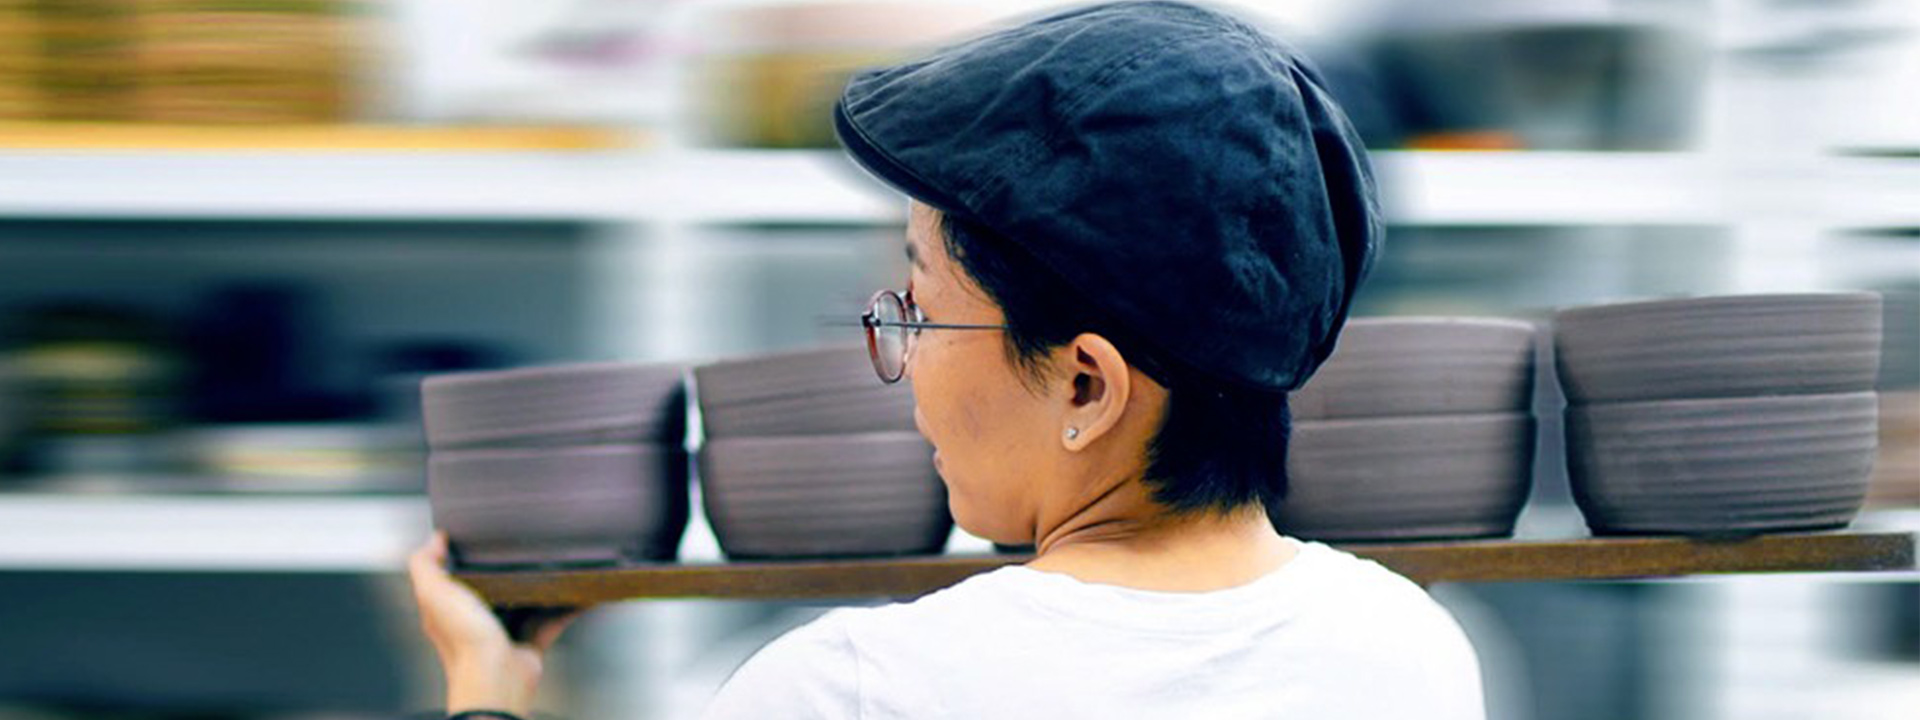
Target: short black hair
1219	448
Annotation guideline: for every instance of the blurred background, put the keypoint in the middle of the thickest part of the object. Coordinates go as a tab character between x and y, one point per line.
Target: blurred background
234	234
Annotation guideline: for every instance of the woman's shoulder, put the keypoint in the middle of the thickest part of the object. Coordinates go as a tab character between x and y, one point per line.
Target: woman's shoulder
819	669
809	672
1361	608
1345	585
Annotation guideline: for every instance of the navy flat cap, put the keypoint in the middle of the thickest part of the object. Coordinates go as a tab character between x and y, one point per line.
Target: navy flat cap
1184	171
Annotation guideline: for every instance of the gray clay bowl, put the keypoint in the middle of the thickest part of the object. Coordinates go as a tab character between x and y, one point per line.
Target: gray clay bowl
1722	466
866	495
560	506
1400	479
1397	367
816	392
1719	347
556	406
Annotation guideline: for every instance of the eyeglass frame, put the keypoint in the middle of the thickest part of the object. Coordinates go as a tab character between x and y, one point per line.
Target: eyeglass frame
910	309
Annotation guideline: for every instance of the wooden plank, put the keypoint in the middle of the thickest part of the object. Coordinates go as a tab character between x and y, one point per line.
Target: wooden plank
1645	557
310	138
1427	563
907	577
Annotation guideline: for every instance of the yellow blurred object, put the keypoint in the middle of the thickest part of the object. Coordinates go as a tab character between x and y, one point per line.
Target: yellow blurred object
86	51
19	62
181	61
776	69
246	62
1896	472
318	138
783	99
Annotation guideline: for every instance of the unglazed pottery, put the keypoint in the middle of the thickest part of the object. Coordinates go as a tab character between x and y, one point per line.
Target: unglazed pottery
1397	367
1423	478
863	495
560	506
1740	465
1719	347
816	392
556	406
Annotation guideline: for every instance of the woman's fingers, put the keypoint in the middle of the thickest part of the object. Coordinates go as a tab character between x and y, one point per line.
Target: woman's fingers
432	586
454	614
537	627
427	565
451	613
549	629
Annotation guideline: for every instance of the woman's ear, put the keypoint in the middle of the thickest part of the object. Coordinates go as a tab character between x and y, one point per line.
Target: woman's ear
1101	383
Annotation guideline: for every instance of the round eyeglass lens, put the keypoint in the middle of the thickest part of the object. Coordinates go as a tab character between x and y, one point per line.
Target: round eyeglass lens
889	337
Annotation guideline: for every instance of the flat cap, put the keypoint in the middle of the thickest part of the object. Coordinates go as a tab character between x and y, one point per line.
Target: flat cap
1184	171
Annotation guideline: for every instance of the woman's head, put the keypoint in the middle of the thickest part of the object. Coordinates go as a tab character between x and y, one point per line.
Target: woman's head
1065	408
1169	214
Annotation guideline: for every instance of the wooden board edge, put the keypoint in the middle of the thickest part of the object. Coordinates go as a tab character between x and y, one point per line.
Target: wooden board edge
1425	564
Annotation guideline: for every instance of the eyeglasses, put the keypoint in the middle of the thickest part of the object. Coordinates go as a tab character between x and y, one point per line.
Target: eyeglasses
892	322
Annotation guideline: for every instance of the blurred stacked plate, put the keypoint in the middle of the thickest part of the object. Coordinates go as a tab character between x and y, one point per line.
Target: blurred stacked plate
568	464
305	457
1415	429
1721	415
807	454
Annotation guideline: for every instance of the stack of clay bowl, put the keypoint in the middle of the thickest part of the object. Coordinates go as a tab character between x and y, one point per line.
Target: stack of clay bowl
1724	415
1415	429
558	466
808	455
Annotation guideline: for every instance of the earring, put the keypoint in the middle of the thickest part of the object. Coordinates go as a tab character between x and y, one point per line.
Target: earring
1073	433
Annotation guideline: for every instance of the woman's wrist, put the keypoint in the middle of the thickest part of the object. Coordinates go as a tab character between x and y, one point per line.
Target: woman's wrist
491	684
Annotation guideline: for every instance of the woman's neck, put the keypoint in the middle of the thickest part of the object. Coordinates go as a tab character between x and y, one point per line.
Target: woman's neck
1149	550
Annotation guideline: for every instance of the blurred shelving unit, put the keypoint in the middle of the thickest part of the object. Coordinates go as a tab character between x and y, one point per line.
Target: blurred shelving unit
579	174
150	137
208	533
407	173
630	187
321	533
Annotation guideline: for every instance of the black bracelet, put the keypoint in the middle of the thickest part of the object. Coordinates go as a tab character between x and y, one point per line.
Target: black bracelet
483	715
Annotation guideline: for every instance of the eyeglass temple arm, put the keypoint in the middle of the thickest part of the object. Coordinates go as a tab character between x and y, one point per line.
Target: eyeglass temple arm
939	326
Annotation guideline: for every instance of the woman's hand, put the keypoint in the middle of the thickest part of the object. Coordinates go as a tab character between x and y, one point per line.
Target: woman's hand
485	668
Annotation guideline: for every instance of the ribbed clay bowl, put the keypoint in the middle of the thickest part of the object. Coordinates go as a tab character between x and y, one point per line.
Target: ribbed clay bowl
866	495
1425	478
560	506
1397	367
1722	466
1738	346
556	406
816	392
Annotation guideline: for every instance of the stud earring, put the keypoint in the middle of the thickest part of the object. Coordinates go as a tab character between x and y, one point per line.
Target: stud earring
1073	433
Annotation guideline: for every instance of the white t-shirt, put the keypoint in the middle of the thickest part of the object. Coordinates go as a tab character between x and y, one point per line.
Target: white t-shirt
1325	636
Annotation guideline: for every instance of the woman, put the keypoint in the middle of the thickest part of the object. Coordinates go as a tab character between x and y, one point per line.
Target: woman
1133	228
